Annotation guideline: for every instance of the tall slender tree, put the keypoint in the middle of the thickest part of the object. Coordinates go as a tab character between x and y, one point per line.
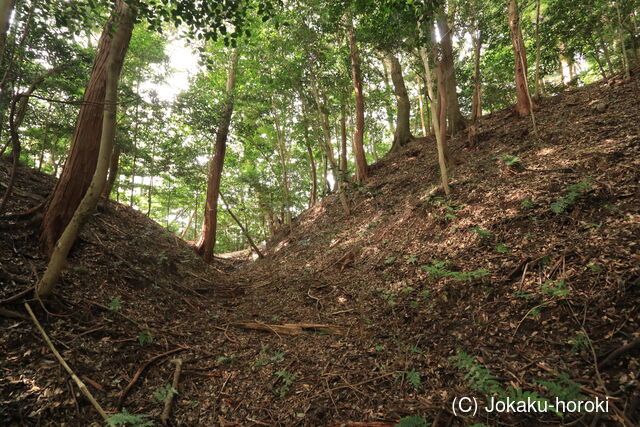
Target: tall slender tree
206	244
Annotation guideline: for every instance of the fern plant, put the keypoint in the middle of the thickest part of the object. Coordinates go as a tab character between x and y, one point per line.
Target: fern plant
571	196
478	377
414	421
125	418
438	269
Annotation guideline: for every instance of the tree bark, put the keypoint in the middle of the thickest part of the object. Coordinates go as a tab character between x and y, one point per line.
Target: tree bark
362	170
326	130
423	121
117	51
523	107
537	92
402	133
207	241
343	178
440	135
454	116
85	144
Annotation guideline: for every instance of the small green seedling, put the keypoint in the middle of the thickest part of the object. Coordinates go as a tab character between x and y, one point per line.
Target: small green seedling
145	337
165	392
115	304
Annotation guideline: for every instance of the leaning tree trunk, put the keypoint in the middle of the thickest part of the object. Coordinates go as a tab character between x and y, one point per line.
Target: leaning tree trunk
362	170
454	116
118	47
207	241
523	107
85	144
402	133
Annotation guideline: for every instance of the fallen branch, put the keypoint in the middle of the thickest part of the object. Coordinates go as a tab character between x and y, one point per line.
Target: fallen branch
618	352
12	314
64	364
167	403
139	372
292	328
18	295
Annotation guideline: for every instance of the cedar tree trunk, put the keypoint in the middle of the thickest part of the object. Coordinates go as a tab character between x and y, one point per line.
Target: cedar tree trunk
82	158
362	172
207	241
118	47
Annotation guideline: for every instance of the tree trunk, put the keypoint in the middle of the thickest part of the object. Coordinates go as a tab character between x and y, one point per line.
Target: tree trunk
118	47
423	122
313	197
625	58
388	109
440	135
189	221
284	159
83	155
113	172
362	172
605	51
454	116
207	242
476	107
6	8
597	58
537	92
523	107
402	133
343	178
326	130
242	227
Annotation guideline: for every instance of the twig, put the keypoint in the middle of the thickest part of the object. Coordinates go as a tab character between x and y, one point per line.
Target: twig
139	372
593	351
526	315
167	403
619	351
64	364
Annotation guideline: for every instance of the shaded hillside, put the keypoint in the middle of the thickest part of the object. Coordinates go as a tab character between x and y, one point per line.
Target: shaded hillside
531	266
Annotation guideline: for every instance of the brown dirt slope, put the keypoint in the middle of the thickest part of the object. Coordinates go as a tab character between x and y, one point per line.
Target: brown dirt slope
531	267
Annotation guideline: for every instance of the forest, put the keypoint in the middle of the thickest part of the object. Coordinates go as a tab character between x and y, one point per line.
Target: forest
320	212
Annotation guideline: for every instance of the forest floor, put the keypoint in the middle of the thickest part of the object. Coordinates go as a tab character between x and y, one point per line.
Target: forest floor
531	266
